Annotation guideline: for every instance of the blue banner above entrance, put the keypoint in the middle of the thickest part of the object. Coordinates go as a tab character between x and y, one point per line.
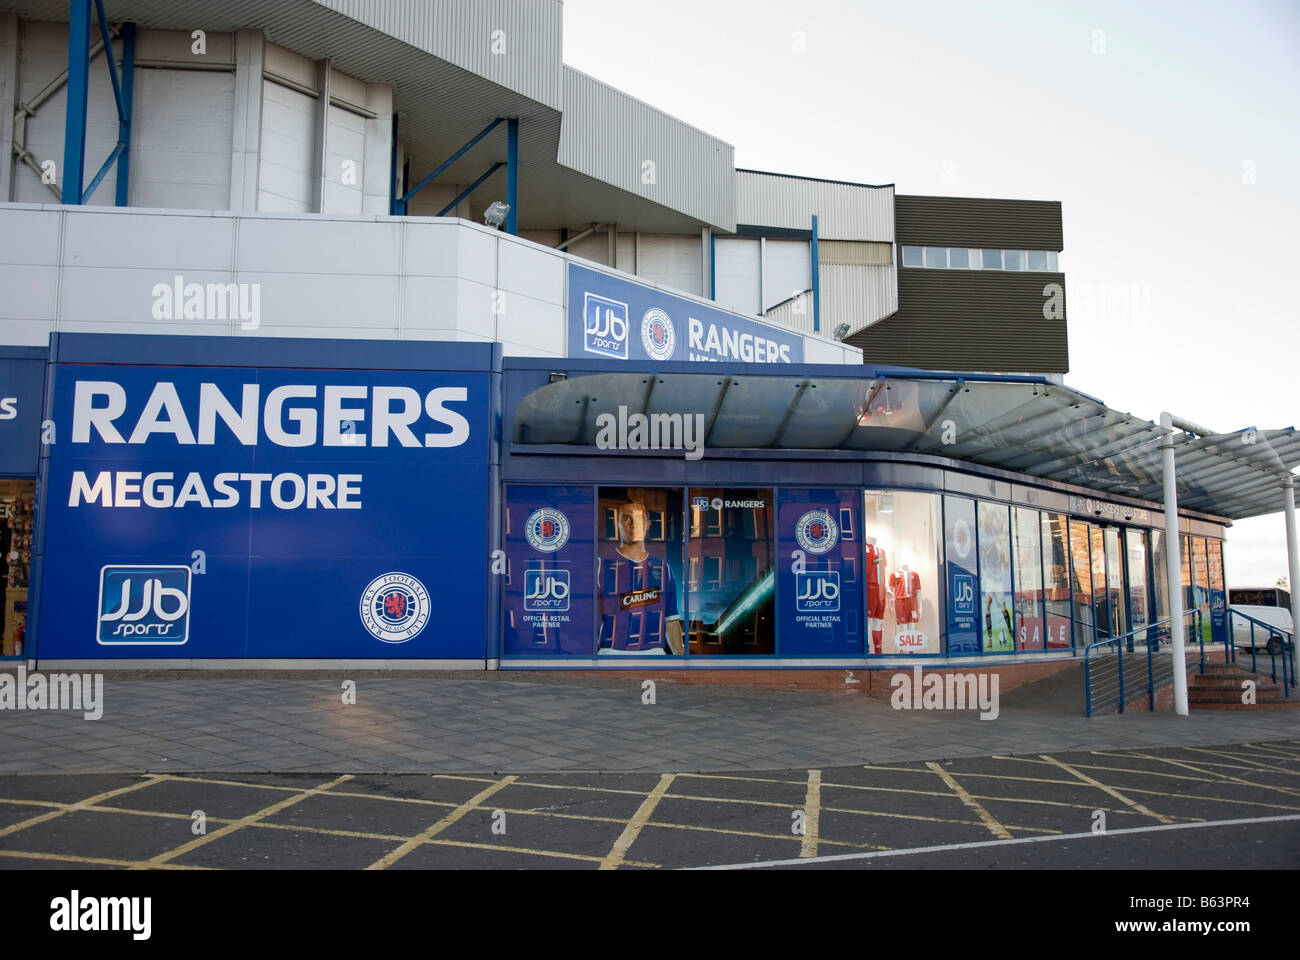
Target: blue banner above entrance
615	319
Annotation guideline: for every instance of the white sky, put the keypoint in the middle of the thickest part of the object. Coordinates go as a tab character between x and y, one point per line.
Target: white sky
1176	267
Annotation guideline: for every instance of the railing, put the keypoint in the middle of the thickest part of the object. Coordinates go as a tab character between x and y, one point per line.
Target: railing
1103	663
1283	650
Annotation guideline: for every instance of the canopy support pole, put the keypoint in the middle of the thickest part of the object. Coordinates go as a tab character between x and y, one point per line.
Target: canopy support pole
1173	567
1293	566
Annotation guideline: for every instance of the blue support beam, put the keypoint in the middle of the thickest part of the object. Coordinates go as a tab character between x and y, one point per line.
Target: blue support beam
512	176
470	189
713	269
392	171
124	118
445	164
74	127
816	280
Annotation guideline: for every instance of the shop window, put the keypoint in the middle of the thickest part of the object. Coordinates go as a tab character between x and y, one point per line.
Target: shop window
733	609
1218	596
996	597
17	526
638	601
1139	600
962	565
1056	581
1081	583
902	558
820	599
1201	584
1159	582
1027	558
1038	260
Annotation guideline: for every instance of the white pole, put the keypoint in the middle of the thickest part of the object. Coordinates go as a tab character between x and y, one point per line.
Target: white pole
1173	567
1293	559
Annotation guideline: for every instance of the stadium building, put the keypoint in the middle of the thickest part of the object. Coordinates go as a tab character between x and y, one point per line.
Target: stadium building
367	332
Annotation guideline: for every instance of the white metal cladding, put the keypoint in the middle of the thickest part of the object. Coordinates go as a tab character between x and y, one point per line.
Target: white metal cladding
795	313
288	144
787	270
856	295
844	211
182	125
611	136
737	275
529	44
100	269
672	261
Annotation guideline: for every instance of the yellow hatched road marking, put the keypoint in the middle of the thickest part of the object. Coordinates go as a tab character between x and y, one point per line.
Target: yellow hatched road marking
1283	752
386	861
1145	811
812	814
636	824
1256	764
985	817
104	861
76	807
243	821
1227	776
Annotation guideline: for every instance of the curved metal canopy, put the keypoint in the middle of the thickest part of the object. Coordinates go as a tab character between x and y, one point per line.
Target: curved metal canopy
1039	429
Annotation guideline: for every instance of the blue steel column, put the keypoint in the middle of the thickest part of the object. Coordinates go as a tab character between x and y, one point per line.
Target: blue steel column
713	270
74	127
392	171
816	281
512	175
124	121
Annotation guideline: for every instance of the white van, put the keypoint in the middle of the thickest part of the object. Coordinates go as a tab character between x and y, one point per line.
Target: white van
1271	606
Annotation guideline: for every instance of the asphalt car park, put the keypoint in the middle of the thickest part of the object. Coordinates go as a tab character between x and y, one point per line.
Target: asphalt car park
1225	806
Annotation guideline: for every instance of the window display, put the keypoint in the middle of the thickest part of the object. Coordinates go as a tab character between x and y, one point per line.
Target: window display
995	577
639	605
902	550
1159	584
1081	583
549	583
1218	598
731	581
820	601
963	574
16	530
1056	581
1139	612
1027	547
1201	584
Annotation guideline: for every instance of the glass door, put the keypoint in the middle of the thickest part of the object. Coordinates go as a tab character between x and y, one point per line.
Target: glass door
1139	601
1115	586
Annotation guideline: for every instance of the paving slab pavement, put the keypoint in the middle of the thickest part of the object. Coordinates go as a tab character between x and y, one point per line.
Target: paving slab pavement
505	722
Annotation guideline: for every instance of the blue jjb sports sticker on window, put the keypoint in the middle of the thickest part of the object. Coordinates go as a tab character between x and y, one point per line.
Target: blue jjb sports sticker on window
144	605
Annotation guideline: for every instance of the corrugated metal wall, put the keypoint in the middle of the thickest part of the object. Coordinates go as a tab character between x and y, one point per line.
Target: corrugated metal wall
736	263
844	211
611	136
288	137
856	295
971	222
462	32
970	320
181	139
673	261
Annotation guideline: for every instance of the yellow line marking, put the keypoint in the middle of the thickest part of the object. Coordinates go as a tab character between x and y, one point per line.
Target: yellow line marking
1145	811
1282	750
812	815
73	858
75	807
636	824
390	858
1257	764
556	854
723	776
1226	777
1060	803
243	821
987	818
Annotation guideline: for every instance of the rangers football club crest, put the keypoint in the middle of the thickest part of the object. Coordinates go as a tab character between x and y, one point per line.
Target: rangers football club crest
816	531
961	539
395	607
657	334
547	530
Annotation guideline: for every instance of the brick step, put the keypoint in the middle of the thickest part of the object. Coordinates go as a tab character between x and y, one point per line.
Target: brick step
1228	704
1229	683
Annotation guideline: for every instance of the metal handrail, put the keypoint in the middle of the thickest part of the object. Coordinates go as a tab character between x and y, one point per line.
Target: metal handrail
1288	648
1151	643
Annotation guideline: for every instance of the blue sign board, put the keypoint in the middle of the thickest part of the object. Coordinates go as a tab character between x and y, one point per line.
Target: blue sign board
819	588
22	380
615	319
961	561
229	512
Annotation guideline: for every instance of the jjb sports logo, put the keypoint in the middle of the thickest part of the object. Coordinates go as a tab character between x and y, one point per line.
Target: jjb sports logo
546	591
547	530
604	326
144	605
817	592
657	334
816	531
963	595
395	607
